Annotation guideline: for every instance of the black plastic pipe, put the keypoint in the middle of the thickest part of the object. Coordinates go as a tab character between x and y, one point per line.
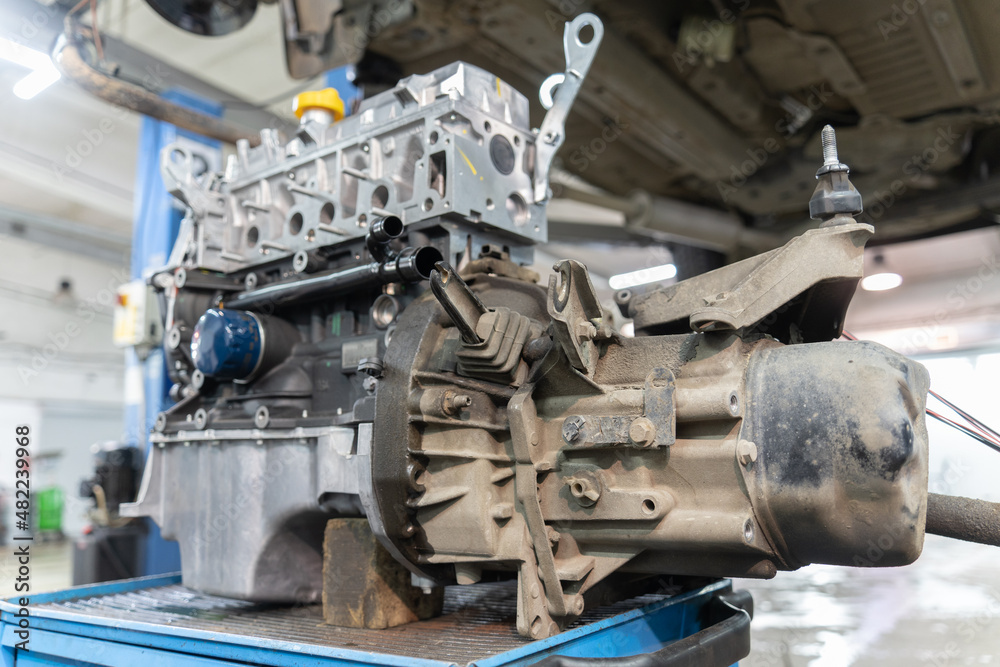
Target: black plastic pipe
381	232
410	266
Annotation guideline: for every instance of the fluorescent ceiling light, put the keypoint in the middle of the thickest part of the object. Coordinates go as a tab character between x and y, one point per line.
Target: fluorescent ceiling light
36	82
879	282
642	276
19	54
43	72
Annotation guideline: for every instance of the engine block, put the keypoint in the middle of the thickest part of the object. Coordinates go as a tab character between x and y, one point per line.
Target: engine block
352	332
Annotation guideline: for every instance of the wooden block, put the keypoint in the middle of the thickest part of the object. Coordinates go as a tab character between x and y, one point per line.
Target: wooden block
364	586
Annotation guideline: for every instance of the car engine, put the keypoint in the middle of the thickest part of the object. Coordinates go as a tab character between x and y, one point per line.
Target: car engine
352	332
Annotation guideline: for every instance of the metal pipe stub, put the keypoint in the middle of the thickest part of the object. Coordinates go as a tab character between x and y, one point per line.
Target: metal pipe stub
965	519
71	63
380	234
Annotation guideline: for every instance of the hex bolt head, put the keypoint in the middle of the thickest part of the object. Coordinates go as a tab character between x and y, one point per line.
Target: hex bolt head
174	338
746	452
585	330
262	417
571	428
300	261
197	379
200	418
642	432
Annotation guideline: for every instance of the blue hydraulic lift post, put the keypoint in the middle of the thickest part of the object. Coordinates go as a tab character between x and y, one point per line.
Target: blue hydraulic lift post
342	79
156	220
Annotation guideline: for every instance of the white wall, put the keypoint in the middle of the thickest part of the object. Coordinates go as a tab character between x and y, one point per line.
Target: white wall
59	371
949	299
66	153
958	464
57	347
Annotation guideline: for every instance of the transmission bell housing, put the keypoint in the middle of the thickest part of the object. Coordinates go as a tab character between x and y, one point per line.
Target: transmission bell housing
352	332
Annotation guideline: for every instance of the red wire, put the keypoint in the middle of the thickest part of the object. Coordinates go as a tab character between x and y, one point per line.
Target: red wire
990	442
980	426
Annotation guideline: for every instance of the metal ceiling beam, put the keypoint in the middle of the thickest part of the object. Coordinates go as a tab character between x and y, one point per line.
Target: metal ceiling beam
666	219
138	65
104	245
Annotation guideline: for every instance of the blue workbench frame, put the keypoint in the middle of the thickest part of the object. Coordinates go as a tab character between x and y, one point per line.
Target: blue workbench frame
61	638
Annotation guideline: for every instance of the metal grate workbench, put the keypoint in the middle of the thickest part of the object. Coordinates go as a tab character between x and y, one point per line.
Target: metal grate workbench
157	621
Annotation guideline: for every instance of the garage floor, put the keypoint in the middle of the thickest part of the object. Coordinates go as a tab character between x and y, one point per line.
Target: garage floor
51	566
942	611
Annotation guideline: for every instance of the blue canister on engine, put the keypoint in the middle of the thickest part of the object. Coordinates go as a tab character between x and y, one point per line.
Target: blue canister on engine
227	344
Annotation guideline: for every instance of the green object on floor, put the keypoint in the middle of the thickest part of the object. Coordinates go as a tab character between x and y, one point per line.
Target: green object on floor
49	506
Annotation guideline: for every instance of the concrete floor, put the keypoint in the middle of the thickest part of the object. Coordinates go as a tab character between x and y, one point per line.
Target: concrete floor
51	567
944	610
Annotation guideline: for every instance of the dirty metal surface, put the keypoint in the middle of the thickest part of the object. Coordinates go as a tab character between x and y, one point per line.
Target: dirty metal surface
478	621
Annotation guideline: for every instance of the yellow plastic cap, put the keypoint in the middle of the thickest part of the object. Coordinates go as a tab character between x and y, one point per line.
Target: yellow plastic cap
327	99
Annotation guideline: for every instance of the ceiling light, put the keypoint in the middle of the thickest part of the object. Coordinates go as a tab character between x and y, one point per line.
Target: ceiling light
879	282
36	82
19	54
882	279
642	276
43	72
